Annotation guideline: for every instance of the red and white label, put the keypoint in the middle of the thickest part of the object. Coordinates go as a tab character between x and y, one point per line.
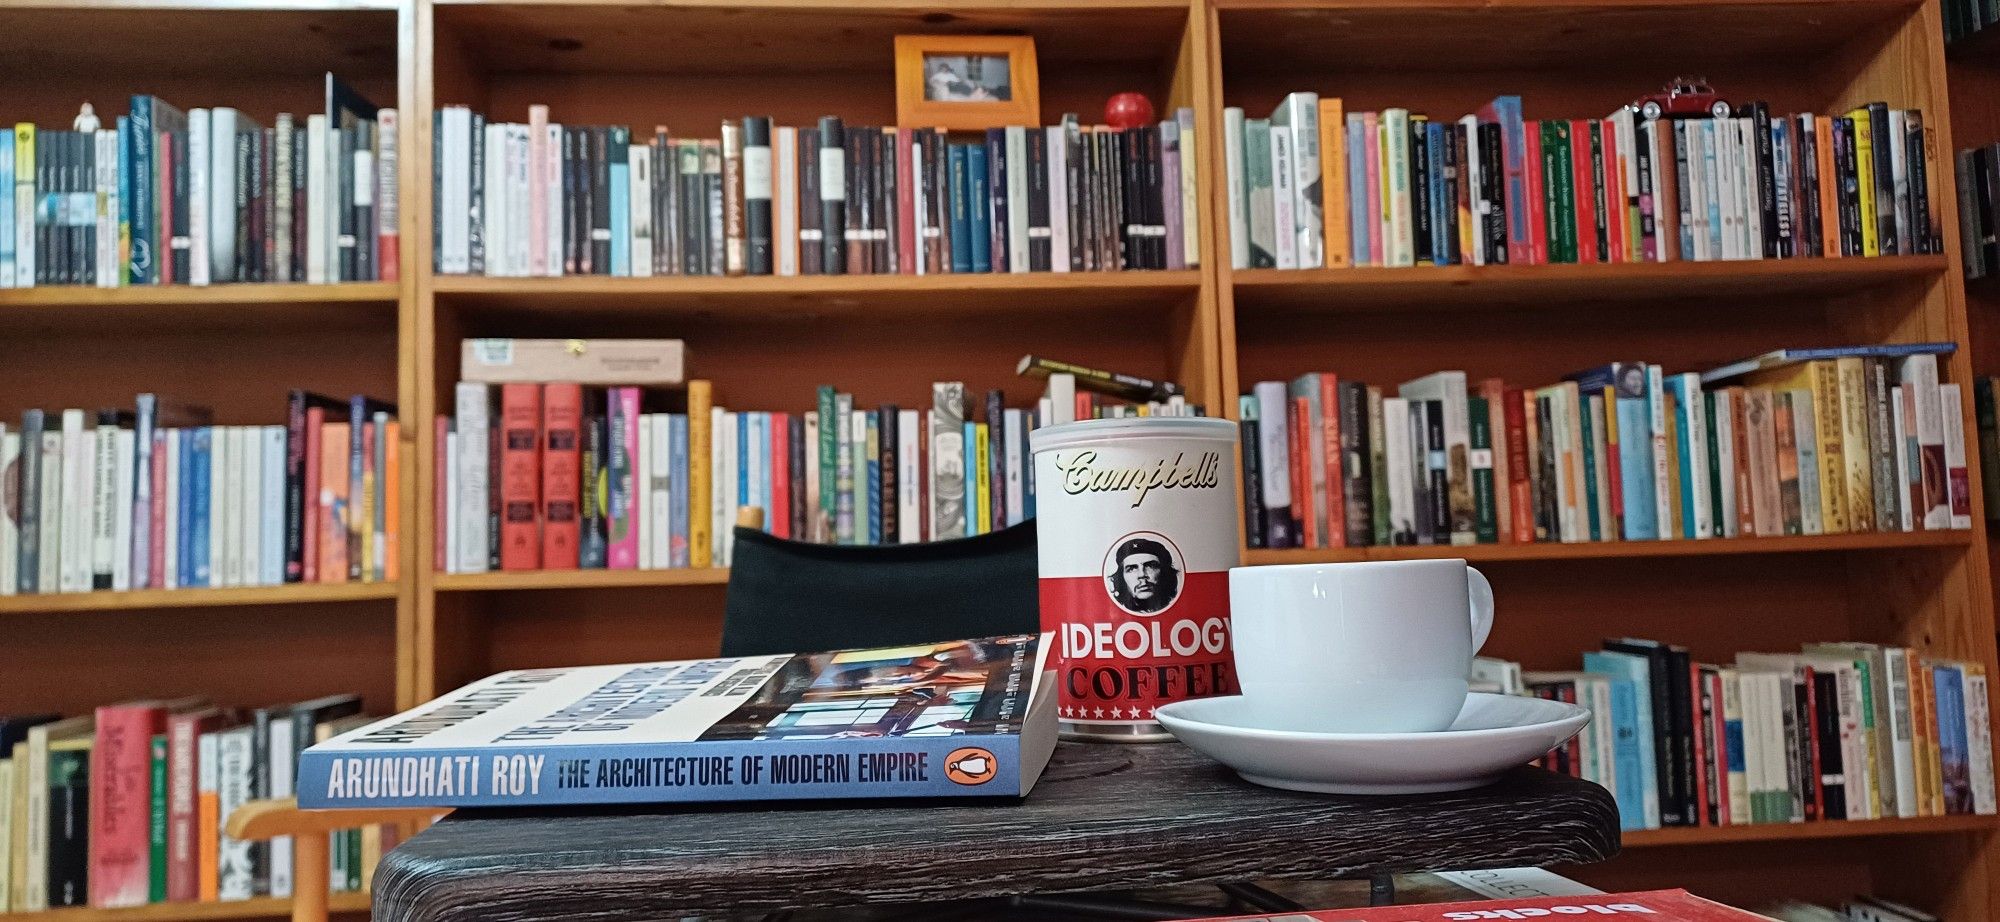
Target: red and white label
1137	535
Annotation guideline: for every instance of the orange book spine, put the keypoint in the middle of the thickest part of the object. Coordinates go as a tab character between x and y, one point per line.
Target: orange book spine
1301	469
520	494
1330	441
562	478
208	826
1829	182
1616	238
392	506
1333	180
333	509
1666	196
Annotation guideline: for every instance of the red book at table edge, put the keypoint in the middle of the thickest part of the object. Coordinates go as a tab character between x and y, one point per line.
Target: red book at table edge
183	835
562	491
520	441
121	773
1653	905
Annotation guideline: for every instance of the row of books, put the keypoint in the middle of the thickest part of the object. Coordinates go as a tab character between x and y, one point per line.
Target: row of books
1793	442
543	199
1979	209
1838	731
202	196
1963	18
158	497
559	475
125	806
1314	185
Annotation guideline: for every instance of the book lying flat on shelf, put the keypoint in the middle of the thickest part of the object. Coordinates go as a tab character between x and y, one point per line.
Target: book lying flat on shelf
967	718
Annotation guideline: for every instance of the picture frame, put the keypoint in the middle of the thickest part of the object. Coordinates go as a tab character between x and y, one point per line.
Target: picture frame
966	82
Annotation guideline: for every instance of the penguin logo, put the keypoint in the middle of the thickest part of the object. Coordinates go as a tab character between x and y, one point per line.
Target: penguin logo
970	766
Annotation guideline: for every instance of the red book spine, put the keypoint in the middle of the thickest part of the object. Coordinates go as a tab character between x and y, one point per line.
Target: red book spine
157	565
1583	185
521	436
1815	792
1616	196
121	804
1520	499
906	204
440	514
923	474
562	478
780	518
315	419
1296	435
1086	408
1538	214
1698	690
388	239
164	253
1329	435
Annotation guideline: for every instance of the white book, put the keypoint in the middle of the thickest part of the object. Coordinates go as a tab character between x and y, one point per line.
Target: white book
1693	421
1751	686
1015	439
281	766
720	497
1656	413
552	192
1920	378
77	453
660	464
1979	739
52	519
1395	128
124	444
24	227
1626	135
225	532
1753	208
757	440
1901	427
1725	185
1470	173
1234	179
473	420
1449	387
224	125
1062	398
538	190
909	517
235	766
1285	239
1017	199
170	551
642	498
1559	424
110	269
271	503
199	138
104	492
452	504
1689	136
1057	139
318	210
249	491
493	204
1902	728
1045	411
1397	460
1807	436
1957	480
1298	118
812	476
1190	196
1273	402
1738	781
1899	172
641	197
785	200
10	527
1725	455
8	820
521	242
732	484
455	204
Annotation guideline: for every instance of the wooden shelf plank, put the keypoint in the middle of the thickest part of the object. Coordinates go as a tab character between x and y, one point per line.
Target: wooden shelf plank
1417	288
70	296
296	593
264	908
1791	832
776	297
1479	553
580	579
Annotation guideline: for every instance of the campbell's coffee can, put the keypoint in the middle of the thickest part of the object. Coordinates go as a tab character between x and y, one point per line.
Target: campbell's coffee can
1137	527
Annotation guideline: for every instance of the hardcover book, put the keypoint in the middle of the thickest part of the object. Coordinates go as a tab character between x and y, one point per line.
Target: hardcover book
968	718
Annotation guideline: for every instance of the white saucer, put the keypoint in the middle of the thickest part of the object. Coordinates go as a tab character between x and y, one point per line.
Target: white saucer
1493	733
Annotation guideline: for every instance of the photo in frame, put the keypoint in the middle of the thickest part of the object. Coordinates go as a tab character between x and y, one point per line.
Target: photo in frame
966	82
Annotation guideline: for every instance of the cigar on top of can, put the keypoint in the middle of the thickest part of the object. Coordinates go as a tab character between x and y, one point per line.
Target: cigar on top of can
1137	529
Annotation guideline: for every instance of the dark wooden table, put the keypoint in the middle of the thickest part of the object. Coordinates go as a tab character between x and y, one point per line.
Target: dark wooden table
1103	817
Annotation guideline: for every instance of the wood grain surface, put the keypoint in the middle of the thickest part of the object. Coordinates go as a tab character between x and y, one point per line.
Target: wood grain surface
1104	817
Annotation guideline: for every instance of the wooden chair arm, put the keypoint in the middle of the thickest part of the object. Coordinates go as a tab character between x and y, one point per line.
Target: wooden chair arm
263	819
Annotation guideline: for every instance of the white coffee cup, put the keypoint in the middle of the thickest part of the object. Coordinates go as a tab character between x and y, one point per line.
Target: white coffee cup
1375	647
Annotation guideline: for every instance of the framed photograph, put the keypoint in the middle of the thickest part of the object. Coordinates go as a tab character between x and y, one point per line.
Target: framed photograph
966	82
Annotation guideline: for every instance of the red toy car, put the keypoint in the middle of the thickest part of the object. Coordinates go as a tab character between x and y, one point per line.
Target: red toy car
1683	98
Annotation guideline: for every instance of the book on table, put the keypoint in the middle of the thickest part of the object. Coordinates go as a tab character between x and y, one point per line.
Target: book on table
966	718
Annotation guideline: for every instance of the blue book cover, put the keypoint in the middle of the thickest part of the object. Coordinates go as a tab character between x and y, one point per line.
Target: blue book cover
1626	748
1506	110
271	534
677	473
184	510
7	209
961	208
874	480
621	213
1954	754
973	526
966	718
762	476
1779	358
1683	448
1636	671
744	421
1442	208
1710	137
979	209
1359	225
198	508
1627	383
136	136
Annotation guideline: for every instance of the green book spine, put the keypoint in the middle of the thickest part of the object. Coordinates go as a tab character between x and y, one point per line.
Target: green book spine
1378	467
1258	190
156	891
353	846
1715	472
1552	193
1566	195
1485	519
829	432
1586	438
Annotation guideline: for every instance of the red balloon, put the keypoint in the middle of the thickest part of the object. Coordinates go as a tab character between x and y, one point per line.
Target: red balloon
1128	110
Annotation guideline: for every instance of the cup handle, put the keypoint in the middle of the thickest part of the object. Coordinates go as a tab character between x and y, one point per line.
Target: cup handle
1481	593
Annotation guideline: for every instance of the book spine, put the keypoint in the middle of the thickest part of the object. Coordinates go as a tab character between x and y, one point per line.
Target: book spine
621	518
700	476
119	839
473	422
521	436
561	476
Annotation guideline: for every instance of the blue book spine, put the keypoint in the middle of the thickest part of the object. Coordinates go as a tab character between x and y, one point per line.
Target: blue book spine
1954	754
996	187
875	482
979	209
1732	735
1637	672
1625	750
1683	448
1635	469
1710	138
135	200
1360	225
7	253
1514	136
961	209
184	512
714	771
621	215
201	484
1441	207
271	534
677	449
764	476
973	526
742	436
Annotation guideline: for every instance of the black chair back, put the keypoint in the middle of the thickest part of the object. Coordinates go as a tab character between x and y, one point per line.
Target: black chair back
796	597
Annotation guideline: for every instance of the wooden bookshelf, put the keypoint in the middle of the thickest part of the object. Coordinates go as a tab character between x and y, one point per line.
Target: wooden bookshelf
580	579
1794	832
1619	550
264	908
289	594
